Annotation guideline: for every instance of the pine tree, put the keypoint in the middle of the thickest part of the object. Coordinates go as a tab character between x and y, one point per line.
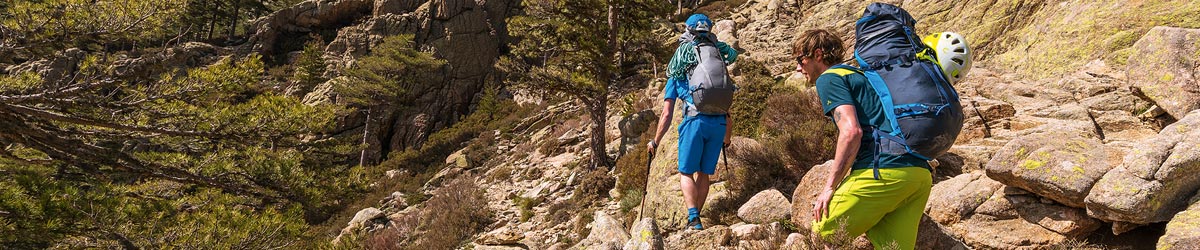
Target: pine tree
575	48
131	162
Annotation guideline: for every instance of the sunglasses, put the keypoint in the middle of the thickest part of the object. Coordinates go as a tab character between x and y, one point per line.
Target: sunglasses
800	59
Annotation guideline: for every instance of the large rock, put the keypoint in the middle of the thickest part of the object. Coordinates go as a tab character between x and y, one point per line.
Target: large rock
190	54
477	246
1149	184
1163	65
1183	232
502	236
631	127
365	218
434	105
645	236
1059	166
774	232
955	200
972	157
765	207
55	70
797	241
759	236
982	116
395	6
985	214
607	233
726	31
766	29
304	17
468	35
930	235
710	238
806	193
1014	219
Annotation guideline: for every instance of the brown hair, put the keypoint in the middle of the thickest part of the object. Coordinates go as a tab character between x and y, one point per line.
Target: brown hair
812	40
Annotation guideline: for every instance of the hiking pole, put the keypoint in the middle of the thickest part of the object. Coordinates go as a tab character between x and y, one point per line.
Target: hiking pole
646	188
725	158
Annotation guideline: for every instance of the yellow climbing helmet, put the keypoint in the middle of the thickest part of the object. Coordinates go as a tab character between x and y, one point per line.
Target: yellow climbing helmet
953	54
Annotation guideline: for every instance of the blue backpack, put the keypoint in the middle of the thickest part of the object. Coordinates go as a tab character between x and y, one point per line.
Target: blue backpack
919	102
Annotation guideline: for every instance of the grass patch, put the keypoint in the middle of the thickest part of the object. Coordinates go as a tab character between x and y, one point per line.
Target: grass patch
525	205
502	173
1072	244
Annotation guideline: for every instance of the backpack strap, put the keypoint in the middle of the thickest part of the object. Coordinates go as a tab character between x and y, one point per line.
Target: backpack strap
702	38
842	70
885	99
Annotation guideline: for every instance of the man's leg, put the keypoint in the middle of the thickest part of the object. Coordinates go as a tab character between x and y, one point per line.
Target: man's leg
860	202
690	150
702	184
691	199
688	185
898	229
713	138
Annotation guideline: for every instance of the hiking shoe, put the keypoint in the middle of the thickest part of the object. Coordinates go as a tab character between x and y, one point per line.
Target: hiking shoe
694	223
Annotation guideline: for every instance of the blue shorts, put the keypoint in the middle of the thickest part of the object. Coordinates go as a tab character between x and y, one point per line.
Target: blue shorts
700	141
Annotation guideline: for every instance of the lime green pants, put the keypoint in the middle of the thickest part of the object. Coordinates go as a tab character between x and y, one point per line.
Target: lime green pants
888	210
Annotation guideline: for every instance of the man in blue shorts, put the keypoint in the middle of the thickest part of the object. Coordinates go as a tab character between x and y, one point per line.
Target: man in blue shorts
705	129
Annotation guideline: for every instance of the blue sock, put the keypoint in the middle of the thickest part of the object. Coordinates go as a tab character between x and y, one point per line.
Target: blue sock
693	213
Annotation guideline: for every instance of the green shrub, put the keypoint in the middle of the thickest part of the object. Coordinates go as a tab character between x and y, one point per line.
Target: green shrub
480	150
631	168
453	214
502	173
750	101
402	232
309	67
389	75
593	186
525	205
799	128
762	169
630	199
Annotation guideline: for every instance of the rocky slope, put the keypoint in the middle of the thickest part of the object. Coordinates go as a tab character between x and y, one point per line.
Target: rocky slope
469	35
1081	129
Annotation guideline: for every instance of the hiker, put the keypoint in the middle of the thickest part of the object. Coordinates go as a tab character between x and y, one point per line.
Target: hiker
697	75
894	114
887	210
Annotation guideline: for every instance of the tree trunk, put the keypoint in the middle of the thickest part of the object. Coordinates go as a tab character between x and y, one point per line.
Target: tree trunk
598	111
678	7
598	108
613	29
362	157
233	19
212	20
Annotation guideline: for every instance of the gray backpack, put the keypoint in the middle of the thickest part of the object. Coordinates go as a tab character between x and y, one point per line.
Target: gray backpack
709	82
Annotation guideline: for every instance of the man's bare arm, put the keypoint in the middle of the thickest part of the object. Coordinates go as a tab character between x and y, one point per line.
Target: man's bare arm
848	141
664	121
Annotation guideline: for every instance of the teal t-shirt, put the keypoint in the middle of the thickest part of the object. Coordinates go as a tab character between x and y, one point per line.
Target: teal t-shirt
838	87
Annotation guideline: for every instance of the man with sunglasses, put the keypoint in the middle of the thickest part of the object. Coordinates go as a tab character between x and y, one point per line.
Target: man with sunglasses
853	201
